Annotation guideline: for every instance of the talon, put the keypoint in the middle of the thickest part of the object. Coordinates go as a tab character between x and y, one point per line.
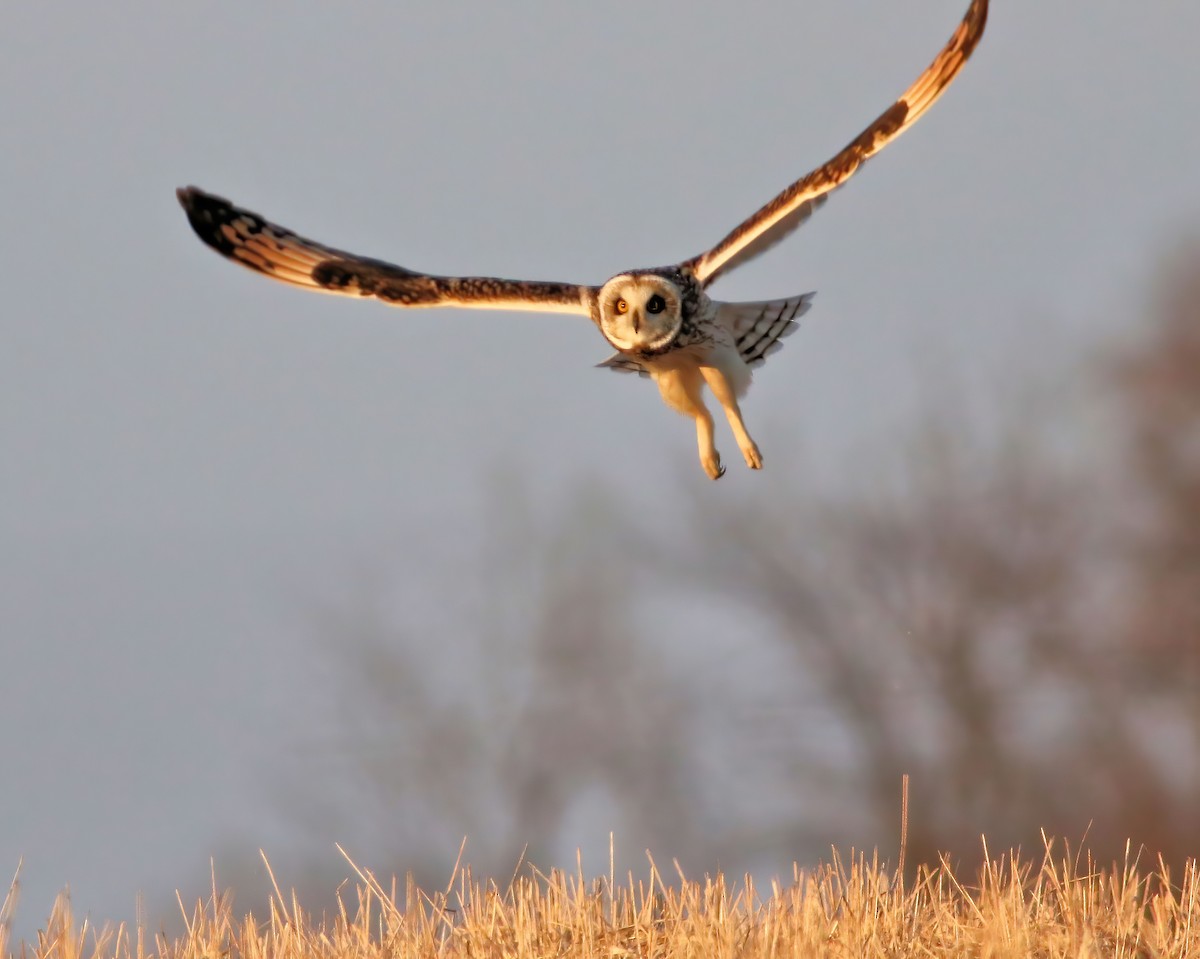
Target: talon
753	457
713	466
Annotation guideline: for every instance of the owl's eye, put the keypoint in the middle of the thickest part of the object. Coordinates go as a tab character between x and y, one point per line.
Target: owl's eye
622	306
656	304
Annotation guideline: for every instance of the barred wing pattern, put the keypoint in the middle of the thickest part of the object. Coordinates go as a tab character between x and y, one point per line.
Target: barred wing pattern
257	244
758	328
796	204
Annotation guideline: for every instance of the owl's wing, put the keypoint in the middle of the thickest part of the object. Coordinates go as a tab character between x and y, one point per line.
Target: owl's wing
624	363
757	328
796	204
274	251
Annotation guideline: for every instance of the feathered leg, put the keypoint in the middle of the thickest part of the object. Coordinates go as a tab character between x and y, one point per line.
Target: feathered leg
726	395
682	390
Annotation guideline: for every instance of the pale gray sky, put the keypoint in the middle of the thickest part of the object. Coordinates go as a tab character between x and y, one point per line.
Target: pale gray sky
191	452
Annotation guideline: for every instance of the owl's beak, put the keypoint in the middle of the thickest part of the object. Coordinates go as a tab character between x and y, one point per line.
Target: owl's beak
636	321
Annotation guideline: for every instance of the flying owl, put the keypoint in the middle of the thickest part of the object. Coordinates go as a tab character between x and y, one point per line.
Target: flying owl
661	321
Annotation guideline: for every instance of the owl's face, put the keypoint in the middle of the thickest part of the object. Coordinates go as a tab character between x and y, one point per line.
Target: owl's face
640	312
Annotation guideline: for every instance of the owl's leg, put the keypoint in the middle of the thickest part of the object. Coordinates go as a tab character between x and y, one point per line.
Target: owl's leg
682	390
723	390
710	459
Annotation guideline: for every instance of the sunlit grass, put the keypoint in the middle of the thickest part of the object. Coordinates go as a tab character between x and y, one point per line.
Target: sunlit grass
1061	905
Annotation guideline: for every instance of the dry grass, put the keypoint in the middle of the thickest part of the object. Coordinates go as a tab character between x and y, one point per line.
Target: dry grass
1064	906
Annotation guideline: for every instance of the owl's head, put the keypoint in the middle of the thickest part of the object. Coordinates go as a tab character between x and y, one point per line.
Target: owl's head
640	312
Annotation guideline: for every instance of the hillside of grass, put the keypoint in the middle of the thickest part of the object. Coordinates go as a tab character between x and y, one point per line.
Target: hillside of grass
1059	905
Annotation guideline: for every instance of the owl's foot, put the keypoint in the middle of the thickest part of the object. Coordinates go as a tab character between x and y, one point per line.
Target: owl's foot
753	456
712	465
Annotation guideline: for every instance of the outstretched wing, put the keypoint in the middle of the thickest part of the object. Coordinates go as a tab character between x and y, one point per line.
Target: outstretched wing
757	328
796	204
274	251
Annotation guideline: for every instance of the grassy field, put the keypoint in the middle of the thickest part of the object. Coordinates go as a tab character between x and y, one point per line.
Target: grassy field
1063	905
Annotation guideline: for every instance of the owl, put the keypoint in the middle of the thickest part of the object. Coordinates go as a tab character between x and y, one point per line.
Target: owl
661	321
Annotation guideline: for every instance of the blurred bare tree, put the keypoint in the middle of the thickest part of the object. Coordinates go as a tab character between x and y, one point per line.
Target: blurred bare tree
1157	377
1158	382
945	629
534	704
1023	638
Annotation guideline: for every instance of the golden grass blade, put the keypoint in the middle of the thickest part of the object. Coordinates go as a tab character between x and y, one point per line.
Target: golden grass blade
8	907
853	906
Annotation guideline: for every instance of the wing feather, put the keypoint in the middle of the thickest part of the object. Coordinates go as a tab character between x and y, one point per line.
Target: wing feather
274	251
757	328
793	206
624	363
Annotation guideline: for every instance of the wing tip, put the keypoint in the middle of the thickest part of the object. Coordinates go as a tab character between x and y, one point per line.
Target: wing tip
206	214
186	195
977	16
195	200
